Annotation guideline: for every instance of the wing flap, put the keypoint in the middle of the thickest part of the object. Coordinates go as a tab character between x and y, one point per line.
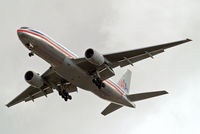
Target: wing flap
39	94
110	108
127	61
21	97
142	96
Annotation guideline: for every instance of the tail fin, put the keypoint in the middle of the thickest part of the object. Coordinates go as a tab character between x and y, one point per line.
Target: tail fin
125	81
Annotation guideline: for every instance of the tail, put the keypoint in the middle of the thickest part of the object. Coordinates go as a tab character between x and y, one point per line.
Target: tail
125	81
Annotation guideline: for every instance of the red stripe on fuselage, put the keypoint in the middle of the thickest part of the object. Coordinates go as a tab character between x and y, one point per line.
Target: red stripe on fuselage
114	87
47	41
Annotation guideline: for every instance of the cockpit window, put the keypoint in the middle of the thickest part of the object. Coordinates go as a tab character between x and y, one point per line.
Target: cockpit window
24	28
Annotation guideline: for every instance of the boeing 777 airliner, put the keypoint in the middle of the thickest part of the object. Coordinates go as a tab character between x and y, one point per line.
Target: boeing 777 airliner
92	72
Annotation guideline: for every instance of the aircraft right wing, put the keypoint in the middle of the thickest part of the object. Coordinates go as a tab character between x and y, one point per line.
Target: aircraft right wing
31	93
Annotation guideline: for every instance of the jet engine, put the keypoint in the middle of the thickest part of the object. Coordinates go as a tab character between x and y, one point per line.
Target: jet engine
94	57
34	79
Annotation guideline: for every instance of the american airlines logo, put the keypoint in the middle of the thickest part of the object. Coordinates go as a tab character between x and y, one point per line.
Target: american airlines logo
124	85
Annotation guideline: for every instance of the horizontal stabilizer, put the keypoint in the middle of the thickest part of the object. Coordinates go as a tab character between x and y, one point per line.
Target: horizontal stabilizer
142	96
110	108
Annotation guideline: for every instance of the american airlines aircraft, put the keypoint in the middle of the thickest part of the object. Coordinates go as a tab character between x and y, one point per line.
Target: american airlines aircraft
91	73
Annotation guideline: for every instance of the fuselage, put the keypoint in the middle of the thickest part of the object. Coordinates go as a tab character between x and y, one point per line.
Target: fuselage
61	59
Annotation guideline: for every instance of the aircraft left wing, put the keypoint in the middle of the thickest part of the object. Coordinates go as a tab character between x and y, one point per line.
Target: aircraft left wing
31	93
127	57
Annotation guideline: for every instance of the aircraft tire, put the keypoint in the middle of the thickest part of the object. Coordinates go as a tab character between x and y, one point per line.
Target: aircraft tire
65	98
30	54
70	97
103	85
60	93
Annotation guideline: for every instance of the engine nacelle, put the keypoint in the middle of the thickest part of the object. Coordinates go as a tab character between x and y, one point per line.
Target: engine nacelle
94	57
34	79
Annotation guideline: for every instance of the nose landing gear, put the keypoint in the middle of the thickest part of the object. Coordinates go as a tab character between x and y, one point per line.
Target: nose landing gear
30	47
30	54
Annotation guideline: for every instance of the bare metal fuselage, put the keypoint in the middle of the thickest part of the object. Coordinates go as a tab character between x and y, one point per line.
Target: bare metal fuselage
61	59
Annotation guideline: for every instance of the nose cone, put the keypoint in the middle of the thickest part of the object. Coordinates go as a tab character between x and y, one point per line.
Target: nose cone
23	35
21	31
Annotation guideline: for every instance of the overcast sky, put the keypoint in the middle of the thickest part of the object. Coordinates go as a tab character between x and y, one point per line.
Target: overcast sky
107	26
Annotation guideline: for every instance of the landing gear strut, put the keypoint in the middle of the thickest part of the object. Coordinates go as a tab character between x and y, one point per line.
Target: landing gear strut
98	82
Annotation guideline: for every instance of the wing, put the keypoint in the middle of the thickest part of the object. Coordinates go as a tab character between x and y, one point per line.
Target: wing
132	56
128	57
32	93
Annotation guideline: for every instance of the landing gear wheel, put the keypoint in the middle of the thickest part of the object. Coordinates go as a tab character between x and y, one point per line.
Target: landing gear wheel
65	98
70	97
94	81
99	86
65	95
31	54
103	85
60	93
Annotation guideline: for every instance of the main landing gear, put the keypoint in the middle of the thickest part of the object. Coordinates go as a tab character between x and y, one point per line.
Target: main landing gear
99	83
65	95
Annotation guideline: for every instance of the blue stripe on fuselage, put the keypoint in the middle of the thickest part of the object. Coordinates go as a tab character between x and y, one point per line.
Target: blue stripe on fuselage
116	85
74	56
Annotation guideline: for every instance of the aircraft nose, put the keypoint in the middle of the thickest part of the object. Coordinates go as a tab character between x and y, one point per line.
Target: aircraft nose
23	36
19	32
22	32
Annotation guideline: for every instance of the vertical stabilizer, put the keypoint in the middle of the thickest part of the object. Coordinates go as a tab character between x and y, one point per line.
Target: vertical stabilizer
125	81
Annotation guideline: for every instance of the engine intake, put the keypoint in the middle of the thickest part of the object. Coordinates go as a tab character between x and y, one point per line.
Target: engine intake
94	57
34	79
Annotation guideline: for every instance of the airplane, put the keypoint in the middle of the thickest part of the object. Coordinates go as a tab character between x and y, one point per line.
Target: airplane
92	72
